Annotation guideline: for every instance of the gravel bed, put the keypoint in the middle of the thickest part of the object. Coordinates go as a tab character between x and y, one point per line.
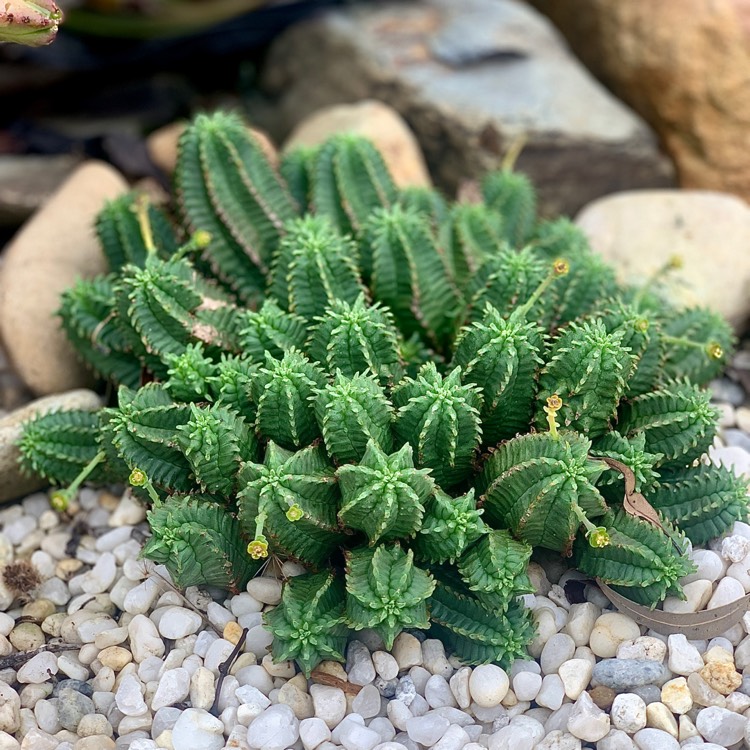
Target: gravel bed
98	651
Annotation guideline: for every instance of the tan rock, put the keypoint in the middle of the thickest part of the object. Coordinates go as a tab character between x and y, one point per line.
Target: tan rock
639	231
675	695
683	66
374	120
52	250
162	145
13	483
658	716
115	657
721	676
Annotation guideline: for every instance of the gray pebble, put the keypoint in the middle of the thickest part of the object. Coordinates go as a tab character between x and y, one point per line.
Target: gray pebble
72	706
387	688
649	693
625	674
738	438
77	685
723	389
405	690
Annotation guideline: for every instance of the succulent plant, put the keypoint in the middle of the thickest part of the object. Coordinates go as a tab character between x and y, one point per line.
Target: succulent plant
406	397
31	23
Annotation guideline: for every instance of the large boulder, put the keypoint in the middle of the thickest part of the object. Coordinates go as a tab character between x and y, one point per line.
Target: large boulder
681	65
640	231
469	78
49	253
376	121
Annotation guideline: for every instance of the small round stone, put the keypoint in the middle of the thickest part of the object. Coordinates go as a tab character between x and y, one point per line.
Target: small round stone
610	630
628	713
199	730
488	685
602	696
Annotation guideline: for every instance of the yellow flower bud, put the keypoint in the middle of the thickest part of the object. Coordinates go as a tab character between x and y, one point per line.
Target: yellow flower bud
258	548
561	267
59	501
715	350
295	513
598	537
138	478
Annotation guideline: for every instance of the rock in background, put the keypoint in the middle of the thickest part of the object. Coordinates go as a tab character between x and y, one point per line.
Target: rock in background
51	251
469	78
639	231
683	66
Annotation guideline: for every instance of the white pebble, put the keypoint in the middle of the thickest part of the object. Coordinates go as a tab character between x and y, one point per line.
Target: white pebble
38	669
265	589
427	729
101	576
367	702
628	712
144	638
174	686
552	693
710	567
721	726
697	594
655	739
407	651
434	659
575	675
526	685
177	622
684	658
198	730
587	721
385	665
558	649
258	640
329	704
275	729
488	685
129	512
107	542
217	653
141	598
356	737
313	732
129	696
610	630
727	590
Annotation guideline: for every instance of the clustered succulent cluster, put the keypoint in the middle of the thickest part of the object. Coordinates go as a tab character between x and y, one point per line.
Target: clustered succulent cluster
405	395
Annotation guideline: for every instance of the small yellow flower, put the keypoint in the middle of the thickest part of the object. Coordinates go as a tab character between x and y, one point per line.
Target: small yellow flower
295	513
202	239
641	325
554	403
675	262
715	350
138	478
59	501
258	548
598	537
561	267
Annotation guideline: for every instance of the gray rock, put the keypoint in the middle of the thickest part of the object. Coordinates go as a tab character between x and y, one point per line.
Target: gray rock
79	685
27	181
387	688
649	693
405	690
624	674
72	706
469	78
